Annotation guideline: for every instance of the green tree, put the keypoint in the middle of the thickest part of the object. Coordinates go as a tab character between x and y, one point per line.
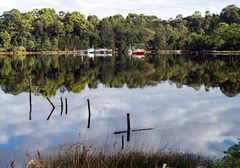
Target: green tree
5	39
18	24
230	14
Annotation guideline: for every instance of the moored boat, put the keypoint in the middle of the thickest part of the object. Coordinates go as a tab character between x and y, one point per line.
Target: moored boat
90	51
136	51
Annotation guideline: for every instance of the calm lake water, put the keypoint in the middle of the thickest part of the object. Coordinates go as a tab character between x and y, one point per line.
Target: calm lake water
191	104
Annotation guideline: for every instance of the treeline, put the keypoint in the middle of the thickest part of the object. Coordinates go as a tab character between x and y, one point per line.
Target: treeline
51	74
45	29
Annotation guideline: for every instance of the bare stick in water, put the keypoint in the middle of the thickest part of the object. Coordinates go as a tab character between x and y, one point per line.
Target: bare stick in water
61	105
66	106
134	130
30	100
122	142
120	132
143	129
89	113
50	114
53	107
128	127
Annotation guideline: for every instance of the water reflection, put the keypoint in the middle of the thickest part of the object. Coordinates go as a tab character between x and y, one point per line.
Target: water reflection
73	73
197	117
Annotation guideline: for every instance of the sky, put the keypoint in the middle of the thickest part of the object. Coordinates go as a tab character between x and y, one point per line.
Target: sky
164	9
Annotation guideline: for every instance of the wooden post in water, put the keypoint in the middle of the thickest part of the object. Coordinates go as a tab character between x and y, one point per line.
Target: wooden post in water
53	107
128	127
61	105
122	142
30	99
134	130
50	114
66	106
89	113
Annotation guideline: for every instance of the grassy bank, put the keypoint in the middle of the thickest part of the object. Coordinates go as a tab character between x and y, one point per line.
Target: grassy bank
79	155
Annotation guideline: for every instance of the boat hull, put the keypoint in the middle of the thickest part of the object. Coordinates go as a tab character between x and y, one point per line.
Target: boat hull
138	52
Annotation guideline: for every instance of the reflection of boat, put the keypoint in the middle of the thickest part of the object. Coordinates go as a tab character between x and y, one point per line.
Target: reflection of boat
90	55
137	56
103	55
136	52
90	52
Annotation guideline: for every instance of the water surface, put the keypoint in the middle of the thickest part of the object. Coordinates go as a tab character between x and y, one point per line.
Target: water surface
191	104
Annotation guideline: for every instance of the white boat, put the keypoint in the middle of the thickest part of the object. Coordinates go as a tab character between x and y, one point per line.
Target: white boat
90	51
99	52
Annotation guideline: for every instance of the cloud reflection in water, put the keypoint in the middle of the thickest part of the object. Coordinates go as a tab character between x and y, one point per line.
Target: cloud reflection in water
195	121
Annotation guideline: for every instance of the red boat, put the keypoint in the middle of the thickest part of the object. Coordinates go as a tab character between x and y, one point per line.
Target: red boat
136	52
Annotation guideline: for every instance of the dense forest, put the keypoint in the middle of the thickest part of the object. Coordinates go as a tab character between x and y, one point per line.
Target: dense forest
45	29
50	74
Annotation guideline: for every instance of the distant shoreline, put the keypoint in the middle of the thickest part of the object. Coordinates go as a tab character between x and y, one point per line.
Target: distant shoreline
148	52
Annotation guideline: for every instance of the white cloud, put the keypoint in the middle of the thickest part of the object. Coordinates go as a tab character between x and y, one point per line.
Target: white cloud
3	138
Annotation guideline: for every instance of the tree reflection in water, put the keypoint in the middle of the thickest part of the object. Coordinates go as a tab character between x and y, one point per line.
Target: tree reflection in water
72	73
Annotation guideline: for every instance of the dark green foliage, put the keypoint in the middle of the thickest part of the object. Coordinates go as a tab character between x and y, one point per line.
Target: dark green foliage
50	73
231	14
232	158
45	29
